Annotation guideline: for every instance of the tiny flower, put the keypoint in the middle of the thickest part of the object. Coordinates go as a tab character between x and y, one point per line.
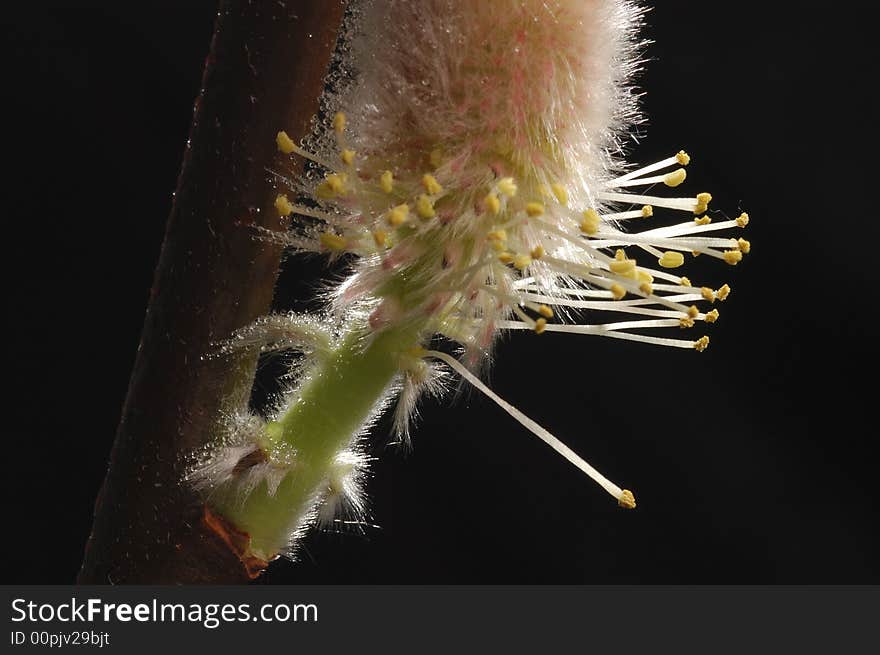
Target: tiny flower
472	172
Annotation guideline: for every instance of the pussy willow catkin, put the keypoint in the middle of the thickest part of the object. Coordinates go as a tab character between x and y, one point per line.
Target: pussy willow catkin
469	167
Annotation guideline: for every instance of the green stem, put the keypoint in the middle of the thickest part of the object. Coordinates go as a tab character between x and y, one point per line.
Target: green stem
338	396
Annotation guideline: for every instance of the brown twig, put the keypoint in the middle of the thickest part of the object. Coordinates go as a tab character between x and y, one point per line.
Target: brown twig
264	72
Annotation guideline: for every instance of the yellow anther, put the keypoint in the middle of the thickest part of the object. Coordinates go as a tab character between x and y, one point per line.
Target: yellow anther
339	122
332	241
686	322
534	209
693	312
425	207
347	157
499	245
685	282
540	325
561	193
537	252
398	215
590	224
284	142
617	291
522	262
436	157
380	237
627	500
695	253
337	182
282	204
723	292
620	254
386	181
333	185
702	220
683	158
626	267
742	220
505	258
545	311
671	259
712	316
744	246
701	344
497	235
647	211
324	191
493	204
432	186
507	186
733	257
646	288
675	178
707	294
703	200
644	276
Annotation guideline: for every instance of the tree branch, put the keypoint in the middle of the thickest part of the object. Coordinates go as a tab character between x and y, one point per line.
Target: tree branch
264	72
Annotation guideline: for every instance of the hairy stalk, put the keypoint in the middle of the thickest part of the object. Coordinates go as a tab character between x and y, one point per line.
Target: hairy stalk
337	399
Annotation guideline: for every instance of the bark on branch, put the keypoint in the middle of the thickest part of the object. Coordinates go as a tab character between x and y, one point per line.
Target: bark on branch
264	72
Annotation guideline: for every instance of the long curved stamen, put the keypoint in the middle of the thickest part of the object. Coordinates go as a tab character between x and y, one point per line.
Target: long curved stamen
624	497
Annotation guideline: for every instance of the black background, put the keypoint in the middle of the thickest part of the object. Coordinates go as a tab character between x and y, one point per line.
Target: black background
752	463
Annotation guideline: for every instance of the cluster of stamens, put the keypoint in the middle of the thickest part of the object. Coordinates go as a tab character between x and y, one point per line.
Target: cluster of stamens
507	254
